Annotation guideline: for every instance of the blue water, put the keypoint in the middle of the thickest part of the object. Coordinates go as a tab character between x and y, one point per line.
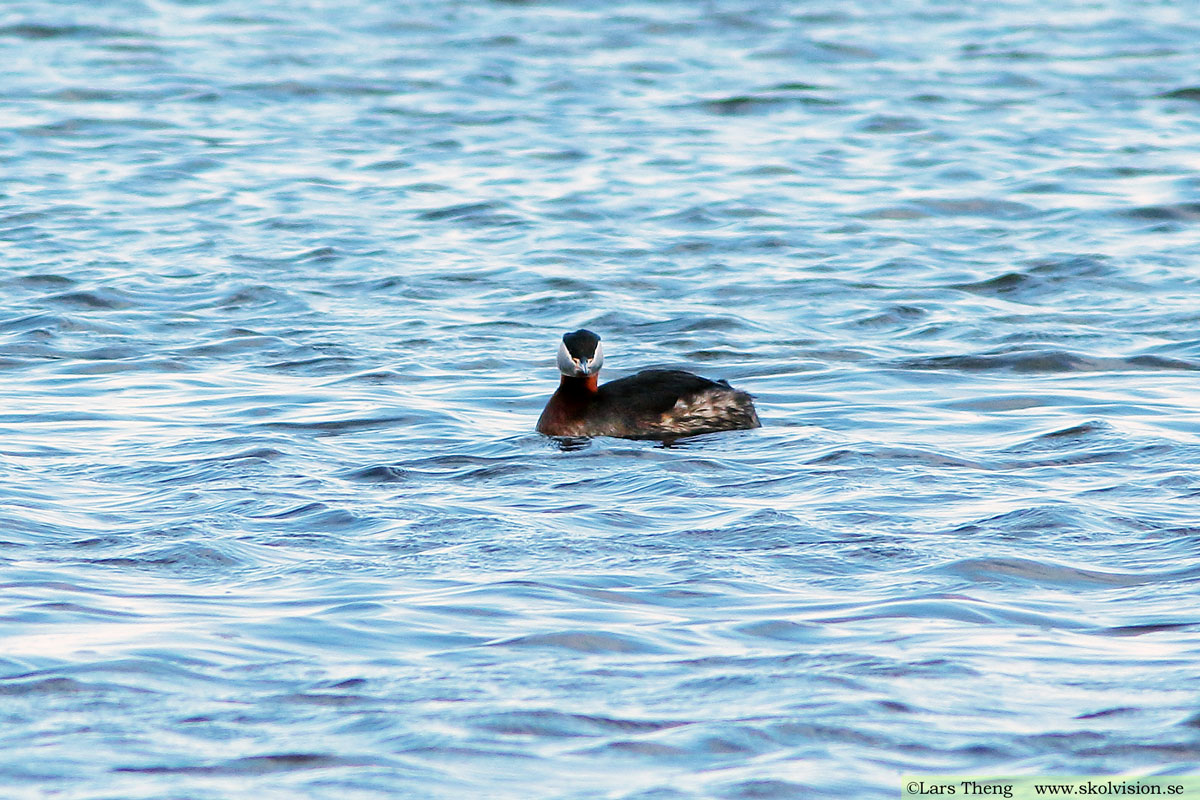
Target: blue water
282	286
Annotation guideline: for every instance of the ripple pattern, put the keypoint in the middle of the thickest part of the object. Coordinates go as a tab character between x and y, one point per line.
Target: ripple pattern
282	286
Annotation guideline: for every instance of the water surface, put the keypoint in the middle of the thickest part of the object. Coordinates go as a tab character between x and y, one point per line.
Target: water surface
282	289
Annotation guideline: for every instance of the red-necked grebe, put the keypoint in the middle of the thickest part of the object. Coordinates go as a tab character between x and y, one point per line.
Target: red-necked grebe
653	404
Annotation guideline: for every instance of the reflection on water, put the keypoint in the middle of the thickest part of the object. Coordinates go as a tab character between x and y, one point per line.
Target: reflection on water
283	287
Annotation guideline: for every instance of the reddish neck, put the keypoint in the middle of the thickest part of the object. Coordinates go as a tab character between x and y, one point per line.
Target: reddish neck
589	384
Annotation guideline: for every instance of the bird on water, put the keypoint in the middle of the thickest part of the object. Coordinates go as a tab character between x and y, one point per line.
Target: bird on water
653	404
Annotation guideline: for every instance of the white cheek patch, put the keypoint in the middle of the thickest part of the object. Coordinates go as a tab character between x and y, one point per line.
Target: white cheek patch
566	364
598	359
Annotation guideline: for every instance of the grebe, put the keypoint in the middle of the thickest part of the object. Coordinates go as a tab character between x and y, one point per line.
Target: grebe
653	404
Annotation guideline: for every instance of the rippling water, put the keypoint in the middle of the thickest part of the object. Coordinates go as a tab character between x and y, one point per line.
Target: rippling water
282	287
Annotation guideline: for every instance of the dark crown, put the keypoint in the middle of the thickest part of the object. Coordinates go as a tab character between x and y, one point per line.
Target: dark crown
581	343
